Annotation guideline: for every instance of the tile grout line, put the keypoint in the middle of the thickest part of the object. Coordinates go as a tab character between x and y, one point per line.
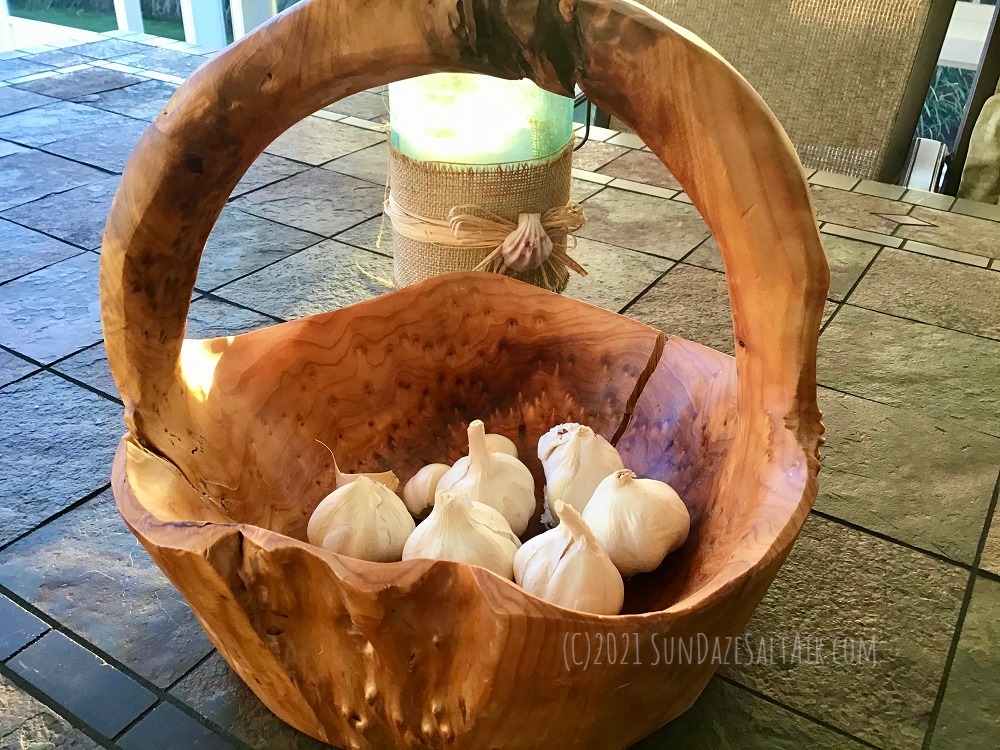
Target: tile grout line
55	516
847	296
922	322
960	624
162	695
51	704
797	712
49	265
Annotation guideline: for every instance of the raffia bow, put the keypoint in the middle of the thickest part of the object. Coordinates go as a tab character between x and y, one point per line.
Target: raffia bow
521	246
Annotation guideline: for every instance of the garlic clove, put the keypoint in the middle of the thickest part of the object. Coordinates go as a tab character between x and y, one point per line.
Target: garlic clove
568	566
500	444
467	532
363	519
388	478
418	493
639	521
575	460
494	479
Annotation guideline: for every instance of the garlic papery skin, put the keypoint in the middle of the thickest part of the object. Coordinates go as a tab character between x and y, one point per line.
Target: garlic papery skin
363	519
568	566
575	460
497	443
639	521
418	493
467	532
493	479
385	478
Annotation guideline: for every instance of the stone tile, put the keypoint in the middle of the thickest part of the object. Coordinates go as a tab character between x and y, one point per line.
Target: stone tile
143	101
926	482
969	718
580	190
30	175
87	571
641	166
642	187
91	367
956	232
594	154
641	222
321	278
318	200
13	100
692	303
56	122
105	149
266	170
218	694
77	216
59	441
7	148
856	210
107	49
933	291
174	62
60	58
80	83
82	683
627	139
241	243
615	276
843	584
862	235
169	728
975	208
370	164
13	368
366	105
367	235
584	175
210	317
940	373
25	250
942	252
18	628
847	258
316	141
20	66
52	312
727	717
925	198
833	180
880	189
26	724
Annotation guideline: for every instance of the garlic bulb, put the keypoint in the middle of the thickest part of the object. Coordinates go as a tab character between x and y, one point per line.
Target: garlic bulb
500	444
418	493
494	479
464	531
639	521
362	519
575	460
569	567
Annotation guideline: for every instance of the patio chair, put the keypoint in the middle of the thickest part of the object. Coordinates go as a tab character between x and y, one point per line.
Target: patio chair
846	78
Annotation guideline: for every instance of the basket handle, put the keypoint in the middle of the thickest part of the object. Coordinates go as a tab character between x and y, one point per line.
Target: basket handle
696	113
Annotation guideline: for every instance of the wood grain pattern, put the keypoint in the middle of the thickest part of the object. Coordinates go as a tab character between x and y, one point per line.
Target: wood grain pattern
221	468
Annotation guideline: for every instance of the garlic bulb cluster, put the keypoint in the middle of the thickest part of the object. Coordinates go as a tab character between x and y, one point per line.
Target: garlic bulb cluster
568	566
638	521
575	460
461	530
362	519
418	494
494	479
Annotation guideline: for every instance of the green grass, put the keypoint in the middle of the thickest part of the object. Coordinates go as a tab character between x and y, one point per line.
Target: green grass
89	20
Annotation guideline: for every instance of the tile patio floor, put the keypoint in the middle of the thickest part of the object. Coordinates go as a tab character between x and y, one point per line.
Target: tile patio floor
898	549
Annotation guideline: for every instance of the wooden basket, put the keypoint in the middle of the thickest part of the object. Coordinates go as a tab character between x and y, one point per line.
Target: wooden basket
221	467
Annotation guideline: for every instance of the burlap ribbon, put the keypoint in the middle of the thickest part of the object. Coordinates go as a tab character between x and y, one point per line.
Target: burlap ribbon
516	247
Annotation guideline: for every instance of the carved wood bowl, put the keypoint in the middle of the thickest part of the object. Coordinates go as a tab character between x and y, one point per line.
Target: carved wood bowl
221	465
